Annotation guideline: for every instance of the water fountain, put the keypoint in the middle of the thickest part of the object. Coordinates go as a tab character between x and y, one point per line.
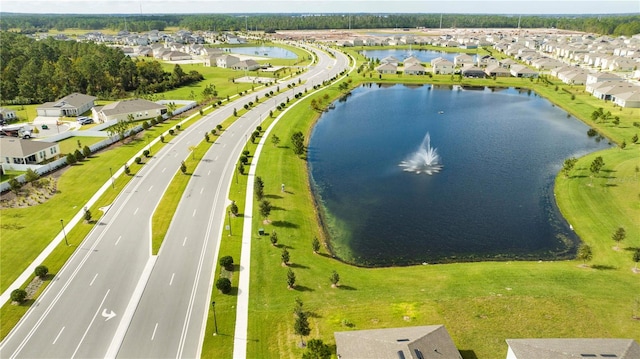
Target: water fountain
424	160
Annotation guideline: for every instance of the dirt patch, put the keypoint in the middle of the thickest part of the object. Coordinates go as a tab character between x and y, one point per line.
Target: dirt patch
31	194
33	287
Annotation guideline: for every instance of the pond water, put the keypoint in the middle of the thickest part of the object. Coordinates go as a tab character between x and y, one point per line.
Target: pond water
401	54
263	51
492	199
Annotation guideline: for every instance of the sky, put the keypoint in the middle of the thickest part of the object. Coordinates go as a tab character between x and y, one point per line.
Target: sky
523	7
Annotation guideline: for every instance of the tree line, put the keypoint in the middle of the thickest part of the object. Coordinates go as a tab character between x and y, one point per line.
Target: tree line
40	71
616	25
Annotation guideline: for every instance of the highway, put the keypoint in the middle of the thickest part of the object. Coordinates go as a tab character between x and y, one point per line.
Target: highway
113	298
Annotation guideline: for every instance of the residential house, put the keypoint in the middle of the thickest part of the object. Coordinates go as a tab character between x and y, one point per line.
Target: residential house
411	60
629	99
176	56
246	65
7	114
390	60
602	77
572	348
486	60
463	59
522	71
414	69
496	70
387	68
226	61
16	151
507	63
138	108
610	90
422	342
574	77
72	105
442	66
473	72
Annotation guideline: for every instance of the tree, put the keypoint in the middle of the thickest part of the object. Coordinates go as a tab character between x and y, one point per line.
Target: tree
206	137
258	188
584	253
41	271
241	168
86	152
183	167
71	159
265	209
227	262
223	285
297	139
87	215
334	278
31	176
301	327
315	244
317	349
18	295
127	170
291	279
285	256
235	113
121	127
636	258
233	208
275	140
623	144
619	235
568	165
78	155
274	238
15	185
596	165
634	138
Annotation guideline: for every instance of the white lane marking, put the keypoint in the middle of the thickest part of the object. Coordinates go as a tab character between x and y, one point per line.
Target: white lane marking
164	169
58	336
194	213
224	145
136	211
217	158
201	190
118	240
150	188
154	331
184	241
90	324
171	281
209	173
176	155
93	280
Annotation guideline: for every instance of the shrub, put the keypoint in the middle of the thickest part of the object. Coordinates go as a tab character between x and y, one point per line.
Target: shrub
41	271
146	153
18	295
138	160
241	168
227	262
161	138
127	170
223	285
145	125
171	132
177	127
71	159
233	208
246	153
219	127
78	155
591	132
86	151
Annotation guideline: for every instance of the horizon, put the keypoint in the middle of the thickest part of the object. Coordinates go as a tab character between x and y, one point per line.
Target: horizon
318	7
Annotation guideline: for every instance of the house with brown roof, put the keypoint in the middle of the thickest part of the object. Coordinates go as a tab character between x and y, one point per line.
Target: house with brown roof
16	151
72	105
572	348
422	342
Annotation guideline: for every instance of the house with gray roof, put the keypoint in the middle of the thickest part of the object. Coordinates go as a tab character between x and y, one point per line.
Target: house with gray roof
72	105
16	151
246	65
422	342
572	348
138	108
7	114
629	99
497	71
414	69
388	68
442	66
226	61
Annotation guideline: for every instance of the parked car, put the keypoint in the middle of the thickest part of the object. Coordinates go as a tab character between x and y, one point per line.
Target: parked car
83	120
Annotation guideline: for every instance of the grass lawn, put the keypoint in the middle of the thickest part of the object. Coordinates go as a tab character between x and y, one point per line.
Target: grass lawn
70	144
481	304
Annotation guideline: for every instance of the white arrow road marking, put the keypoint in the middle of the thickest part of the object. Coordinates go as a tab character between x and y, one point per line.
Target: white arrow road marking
108	314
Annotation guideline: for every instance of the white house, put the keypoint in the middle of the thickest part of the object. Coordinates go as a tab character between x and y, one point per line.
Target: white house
629	99
387	68
414	69
138	108
16	151
226	61
72	105
247	65
463	59
442	66
7	114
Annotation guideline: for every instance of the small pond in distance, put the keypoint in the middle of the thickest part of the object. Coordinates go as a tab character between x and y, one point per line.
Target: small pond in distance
500	150
263	51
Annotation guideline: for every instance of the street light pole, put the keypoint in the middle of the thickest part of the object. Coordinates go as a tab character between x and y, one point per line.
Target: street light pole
229	216
215	320
63	232
113	185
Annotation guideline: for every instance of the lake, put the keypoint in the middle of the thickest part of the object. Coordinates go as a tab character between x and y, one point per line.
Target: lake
500	150
263	51
422	55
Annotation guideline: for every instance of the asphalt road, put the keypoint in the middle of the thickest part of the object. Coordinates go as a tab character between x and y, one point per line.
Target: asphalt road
113	298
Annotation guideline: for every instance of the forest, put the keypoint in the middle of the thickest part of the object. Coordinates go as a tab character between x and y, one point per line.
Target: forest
40	71
616	25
